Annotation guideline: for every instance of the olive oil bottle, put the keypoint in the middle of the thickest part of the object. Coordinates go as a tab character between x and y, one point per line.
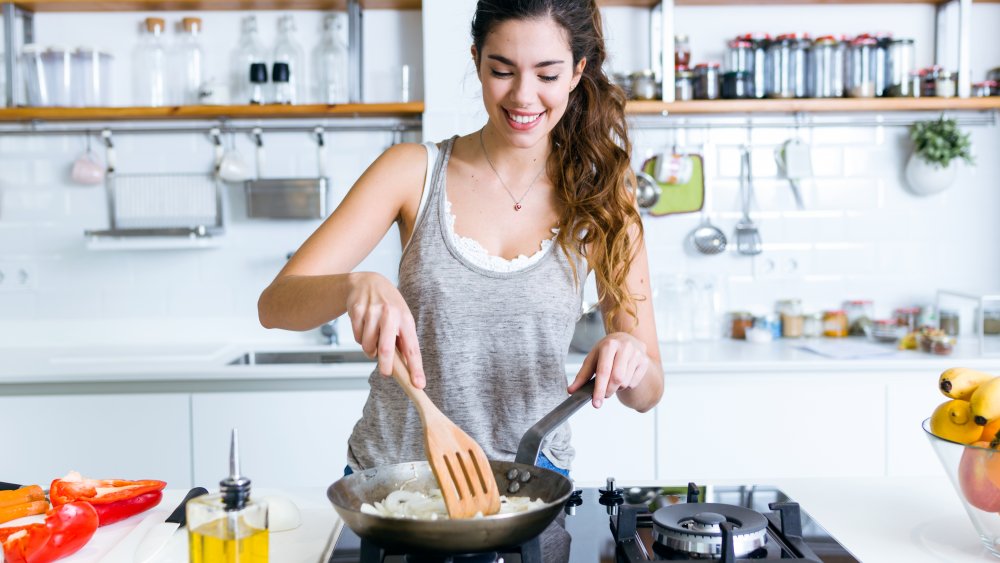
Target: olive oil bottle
228	527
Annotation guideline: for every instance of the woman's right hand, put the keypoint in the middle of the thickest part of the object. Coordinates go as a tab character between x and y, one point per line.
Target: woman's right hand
382	322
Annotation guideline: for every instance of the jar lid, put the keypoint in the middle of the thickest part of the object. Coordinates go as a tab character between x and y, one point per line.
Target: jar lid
908	310
191	24
826	40
864	41
685	73
755	36
884	322
859	302
740	44
152	24
835	312
709	64
902	40
986	84
796	35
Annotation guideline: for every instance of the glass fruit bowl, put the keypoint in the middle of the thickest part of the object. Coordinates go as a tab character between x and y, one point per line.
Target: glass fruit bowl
975	473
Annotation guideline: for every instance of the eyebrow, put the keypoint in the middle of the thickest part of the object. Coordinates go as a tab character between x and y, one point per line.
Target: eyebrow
509	62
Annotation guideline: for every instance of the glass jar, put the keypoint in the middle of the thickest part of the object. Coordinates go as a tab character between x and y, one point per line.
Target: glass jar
740	321
812	325
930	76
945	84
706	81
885	330
643	85
739	56
786	67
149	66
737	85
826	68
682	51
624	82
861	67
792	321
908	317
916	83
899	60
882	40
859	317
684	85
948	322
984	89
835	324
758	62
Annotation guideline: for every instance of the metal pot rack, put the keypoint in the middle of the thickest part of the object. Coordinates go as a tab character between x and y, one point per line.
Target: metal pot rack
802	120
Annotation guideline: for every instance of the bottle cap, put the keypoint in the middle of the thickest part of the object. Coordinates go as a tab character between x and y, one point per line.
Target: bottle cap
154	24
280	72
191	25
258	73
235	489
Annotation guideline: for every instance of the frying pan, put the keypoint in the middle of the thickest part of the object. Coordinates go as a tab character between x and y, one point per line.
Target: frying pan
488	533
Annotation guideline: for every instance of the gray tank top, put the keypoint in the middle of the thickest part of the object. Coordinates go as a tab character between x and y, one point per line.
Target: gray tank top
494	346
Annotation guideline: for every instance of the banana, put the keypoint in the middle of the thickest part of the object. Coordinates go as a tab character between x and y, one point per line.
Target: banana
952	420
959	383
985	402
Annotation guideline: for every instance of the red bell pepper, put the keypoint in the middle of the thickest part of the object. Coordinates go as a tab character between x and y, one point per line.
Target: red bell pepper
114	499
67	528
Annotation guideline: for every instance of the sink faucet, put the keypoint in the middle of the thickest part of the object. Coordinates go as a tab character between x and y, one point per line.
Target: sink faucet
329	330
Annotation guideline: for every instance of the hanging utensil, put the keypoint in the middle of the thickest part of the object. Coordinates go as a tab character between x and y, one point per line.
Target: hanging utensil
794	162
647	191
458	462
707	238
747	236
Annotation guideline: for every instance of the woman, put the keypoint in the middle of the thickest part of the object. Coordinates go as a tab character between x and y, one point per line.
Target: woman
499	229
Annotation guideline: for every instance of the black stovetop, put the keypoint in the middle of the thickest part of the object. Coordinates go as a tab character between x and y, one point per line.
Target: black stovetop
586	532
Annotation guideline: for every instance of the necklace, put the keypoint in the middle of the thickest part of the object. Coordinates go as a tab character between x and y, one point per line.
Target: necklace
517	201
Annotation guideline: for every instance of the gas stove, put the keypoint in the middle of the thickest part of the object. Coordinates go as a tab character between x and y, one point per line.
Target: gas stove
613	524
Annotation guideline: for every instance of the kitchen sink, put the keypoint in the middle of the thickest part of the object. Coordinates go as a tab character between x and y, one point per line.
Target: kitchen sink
301	357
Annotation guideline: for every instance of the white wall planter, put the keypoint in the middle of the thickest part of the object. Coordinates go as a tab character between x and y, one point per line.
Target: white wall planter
925	178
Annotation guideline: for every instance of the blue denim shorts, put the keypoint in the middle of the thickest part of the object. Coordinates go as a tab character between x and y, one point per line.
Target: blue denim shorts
541	461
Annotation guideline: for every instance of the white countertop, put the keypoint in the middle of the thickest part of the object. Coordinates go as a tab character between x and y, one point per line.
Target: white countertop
209	361
880	520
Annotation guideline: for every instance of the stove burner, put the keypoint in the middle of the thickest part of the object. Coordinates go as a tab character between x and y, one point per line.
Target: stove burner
697	528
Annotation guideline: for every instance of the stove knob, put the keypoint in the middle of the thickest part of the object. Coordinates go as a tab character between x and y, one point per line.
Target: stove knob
575	499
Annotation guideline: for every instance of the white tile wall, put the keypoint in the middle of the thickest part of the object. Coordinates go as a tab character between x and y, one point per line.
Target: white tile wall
862	234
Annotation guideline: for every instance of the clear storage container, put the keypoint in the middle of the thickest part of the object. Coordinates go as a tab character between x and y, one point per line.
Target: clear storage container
706	81
786	67
739	55
149	66
758	67
826	68
862	67
91	77
900	61
330	63
189	58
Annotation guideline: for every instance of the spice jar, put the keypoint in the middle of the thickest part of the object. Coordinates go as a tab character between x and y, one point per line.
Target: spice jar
741	321
739	55
929	85
786	67
859	317
684	85
758	62
643	85
945	83
706	81
862	67
948	322
835	324
812	325
985	88
790	312
826	68
682	51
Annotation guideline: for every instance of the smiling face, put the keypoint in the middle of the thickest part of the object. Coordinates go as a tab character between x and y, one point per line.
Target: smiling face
527	72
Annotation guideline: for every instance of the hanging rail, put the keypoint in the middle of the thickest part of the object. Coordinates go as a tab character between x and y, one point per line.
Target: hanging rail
981	119
384	126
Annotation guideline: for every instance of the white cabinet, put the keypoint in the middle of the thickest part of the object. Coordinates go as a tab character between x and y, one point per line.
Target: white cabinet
287	438
124	436
760	426
911	400
613	441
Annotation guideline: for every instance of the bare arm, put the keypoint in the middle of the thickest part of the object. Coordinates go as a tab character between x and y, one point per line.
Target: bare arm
627	360
317	283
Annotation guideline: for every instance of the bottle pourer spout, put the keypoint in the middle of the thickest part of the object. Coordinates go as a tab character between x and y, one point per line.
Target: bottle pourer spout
235	489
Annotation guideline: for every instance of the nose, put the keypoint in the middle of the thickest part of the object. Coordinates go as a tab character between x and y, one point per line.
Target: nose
523	92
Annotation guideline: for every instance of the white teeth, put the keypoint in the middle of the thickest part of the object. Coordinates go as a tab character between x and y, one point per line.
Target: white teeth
524	118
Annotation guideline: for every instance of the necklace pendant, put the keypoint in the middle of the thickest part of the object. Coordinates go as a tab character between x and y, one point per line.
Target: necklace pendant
517	207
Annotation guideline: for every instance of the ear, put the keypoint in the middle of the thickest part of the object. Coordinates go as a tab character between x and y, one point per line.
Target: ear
578	72
475	58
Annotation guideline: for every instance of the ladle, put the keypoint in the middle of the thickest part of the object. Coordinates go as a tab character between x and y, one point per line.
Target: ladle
707	238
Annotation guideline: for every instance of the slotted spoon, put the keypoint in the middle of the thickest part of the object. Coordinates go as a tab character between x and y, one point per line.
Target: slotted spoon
458	462
747	236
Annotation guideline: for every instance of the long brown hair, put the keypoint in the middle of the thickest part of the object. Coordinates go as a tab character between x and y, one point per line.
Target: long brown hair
589	162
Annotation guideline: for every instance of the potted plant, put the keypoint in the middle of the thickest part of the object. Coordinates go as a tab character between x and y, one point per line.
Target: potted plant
936	146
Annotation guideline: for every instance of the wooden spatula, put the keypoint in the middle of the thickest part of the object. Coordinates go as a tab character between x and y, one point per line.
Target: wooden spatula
458	462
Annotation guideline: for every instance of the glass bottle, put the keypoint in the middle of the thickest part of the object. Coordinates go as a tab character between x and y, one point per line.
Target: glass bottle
228	526
330	67
682	51
248	51
149	66
288	51
190	63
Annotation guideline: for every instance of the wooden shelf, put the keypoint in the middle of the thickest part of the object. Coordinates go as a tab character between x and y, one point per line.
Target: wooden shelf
200	5
409	109
812	105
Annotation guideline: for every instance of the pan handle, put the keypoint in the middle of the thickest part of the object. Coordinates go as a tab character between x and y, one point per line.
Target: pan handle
531	442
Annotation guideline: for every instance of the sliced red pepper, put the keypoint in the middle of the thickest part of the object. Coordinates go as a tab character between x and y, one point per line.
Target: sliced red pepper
114	499
67	528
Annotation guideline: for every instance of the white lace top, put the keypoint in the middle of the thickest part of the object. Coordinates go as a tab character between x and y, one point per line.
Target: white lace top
470	249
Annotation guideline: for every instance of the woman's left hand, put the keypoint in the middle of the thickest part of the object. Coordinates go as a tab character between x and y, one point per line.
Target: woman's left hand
618	361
